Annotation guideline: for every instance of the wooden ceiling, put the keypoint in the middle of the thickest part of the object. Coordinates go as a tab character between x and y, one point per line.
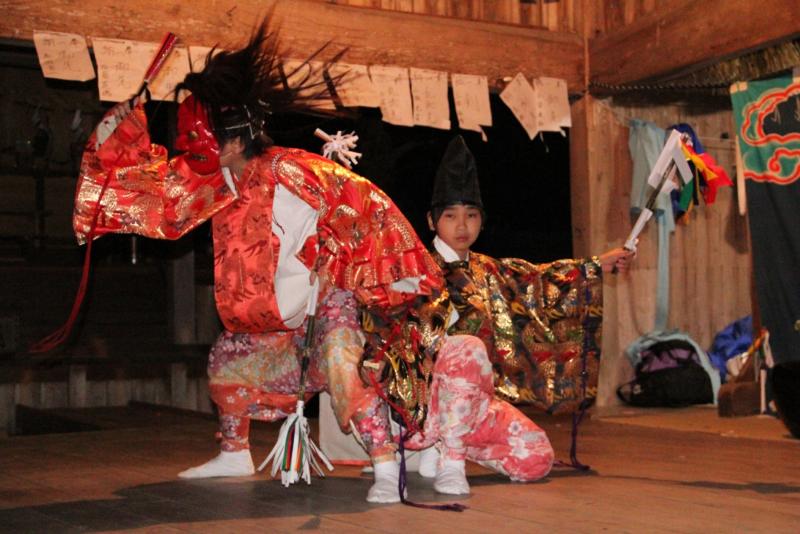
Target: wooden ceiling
581	41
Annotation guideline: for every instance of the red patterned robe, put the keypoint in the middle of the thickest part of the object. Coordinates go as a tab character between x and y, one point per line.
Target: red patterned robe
362	242
329	220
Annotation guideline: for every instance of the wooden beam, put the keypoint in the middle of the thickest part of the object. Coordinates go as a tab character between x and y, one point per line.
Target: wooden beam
679	38
372	36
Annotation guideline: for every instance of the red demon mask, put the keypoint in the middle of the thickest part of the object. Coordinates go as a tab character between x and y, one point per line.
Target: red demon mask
196	138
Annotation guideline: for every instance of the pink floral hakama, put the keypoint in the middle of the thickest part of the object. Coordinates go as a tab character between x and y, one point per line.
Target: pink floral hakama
472	424
257	376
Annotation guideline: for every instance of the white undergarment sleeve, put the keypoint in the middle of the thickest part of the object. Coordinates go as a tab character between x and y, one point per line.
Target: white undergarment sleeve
407	285
293	222
229	181
448	255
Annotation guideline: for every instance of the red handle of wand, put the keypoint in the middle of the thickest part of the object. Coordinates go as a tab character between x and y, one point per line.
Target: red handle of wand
167	46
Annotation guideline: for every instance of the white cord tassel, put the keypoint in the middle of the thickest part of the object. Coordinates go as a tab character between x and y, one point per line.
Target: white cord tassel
295	453
339	147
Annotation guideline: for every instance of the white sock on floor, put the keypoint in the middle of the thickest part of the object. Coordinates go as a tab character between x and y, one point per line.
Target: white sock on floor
428	462
226	464
451	478
384	490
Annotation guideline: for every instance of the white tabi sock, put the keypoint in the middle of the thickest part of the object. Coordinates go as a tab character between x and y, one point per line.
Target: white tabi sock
428	462
451	478
384	490
226	464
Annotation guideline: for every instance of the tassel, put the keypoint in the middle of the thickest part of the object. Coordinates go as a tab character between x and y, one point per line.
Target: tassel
577	416
58	337
403	481
295	453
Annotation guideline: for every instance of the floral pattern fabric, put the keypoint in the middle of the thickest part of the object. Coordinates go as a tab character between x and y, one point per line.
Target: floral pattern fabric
257	376
470	423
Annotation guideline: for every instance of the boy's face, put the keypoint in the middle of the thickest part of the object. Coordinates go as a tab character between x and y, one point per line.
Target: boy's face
459	227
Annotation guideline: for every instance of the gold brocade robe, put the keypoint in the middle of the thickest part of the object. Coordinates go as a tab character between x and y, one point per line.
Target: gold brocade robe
541	324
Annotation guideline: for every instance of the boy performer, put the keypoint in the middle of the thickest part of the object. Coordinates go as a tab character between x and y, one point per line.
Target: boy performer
540	324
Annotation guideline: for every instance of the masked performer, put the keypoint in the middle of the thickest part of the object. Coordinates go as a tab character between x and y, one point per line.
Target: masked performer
281	218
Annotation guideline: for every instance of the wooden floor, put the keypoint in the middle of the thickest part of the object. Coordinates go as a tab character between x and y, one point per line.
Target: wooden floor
644	478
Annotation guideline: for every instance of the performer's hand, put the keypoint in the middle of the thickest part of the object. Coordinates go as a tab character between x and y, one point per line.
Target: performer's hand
124	108
323	281
616	260
114	118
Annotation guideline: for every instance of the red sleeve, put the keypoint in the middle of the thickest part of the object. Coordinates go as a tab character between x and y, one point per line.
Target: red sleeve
142	192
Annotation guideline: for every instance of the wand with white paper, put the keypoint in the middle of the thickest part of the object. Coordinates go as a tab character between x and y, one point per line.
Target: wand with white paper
663	180
295	453
340	146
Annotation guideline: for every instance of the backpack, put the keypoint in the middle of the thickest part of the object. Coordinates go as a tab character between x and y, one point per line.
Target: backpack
668	374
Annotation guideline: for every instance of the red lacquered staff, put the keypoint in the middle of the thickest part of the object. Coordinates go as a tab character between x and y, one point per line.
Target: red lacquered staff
58	337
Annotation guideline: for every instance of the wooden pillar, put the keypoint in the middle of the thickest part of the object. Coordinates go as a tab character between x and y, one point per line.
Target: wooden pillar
182	306
178	385
6	409
600	195
77	393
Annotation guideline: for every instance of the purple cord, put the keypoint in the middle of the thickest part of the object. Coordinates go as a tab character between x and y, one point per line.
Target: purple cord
577	417
402	483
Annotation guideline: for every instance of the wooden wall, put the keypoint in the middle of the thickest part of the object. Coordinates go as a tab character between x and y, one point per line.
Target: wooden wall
371	36
557	15
178	384
709	258
612	15
584	17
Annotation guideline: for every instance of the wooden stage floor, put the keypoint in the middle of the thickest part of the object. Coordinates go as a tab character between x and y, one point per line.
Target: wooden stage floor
687	473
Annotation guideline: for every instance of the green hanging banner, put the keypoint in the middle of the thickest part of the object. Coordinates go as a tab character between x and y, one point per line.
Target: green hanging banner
767	115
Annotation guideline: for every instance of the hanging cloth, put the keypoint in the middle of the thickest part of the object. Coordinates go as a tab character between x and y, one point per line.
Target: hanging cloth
768	139
645	143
